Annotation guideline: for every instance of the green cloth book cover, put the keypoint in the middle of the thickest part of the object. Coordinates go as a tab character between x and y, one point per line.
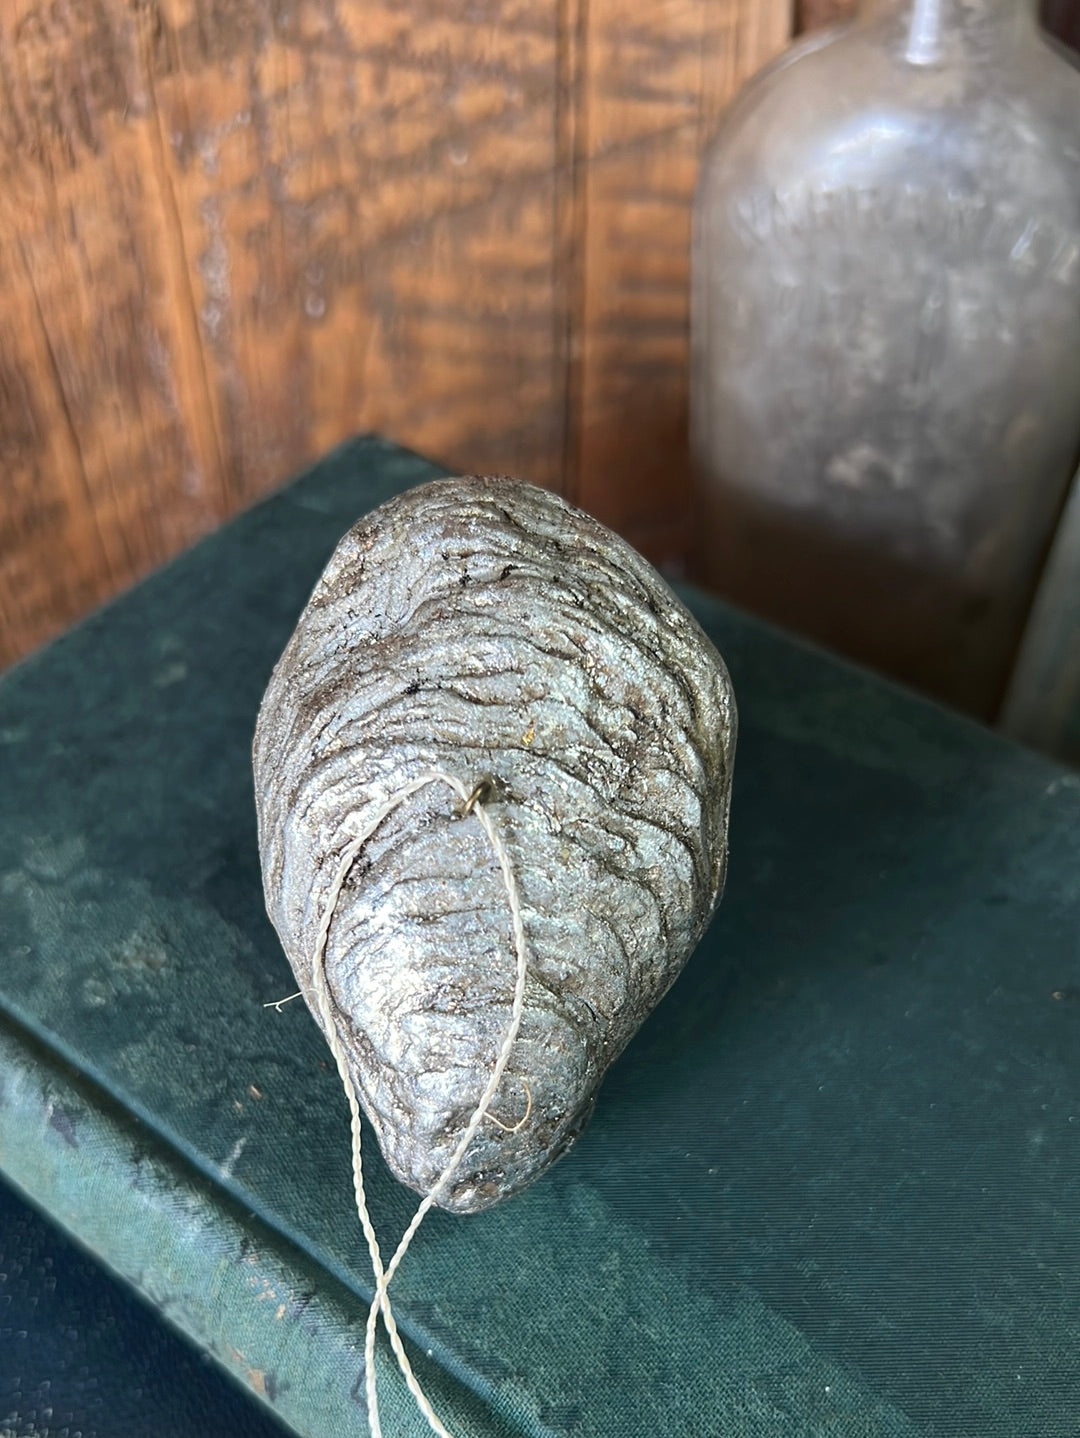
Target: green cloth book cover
832	1187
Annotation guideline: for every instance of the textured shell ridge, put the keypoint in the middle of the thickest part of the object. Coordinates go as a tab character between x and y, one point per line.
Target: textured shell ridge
488	629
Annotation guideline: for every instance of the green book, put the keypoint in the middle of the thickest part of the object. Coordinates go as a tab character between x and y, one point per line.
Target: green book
831	1189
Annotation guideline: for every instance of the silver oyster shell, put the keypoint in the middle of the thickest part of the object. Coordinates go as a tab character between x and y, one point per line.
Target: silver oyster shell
489	629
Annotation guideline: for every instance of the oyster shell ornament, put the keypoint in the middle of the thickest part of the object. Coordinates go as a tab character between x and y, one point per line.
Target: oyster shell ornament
493	772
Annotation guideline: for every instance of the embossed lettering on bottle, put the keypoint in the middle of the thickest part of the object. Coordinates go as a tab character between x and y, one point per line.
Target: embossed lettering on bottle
886	400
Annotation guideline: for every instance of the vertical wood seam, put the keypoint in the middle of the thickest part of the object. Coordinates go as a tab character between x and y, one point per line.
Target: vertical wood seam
175	226
69	420
571	219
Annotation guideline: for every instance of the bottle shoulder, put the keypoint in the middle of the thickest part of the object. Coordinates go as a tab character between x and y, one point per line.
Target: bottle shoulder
848	108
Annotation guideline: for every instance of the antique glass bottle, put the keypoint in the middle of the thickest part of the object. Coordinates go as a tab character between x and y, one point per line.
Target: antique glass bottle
886	337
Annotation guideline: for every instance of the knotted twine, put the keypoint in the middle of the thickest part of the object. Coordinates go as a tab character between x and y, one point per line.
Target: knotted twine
473	801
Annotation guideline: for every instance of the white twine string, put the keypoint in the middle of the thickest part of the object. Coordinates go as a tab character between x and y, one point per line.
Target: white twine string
472	802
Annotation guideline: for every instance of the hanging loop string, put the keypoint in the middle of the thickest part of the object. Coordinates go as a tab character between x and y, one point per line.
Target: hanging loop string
473	801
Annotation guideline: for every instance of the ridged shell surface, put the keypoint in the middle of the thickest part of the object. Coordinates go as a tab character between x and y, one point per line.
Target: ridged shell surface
487	628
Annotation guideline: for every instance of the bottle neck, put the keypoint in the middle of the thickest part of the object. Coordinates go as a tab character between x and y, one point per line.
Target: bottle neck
933	27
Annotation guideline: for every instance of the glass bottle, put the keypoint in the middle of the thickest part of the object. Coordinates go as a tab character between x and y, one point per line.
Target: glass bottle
886	337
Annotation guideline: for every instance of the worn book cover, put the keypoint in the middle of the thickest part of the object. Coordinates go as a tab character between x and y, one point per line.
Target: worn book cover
832	1188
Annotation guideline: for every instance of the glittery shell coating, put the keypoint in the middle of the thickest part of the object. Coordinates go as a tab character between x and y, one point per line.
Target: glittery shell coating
487	628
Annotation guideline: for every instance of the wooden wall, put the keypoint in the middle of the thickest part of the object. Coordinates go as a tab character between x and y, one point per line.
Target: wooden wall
233	232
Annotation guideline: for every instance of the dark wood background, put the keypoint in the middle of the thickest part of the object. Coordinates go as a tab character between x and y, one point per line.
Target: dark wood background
233	232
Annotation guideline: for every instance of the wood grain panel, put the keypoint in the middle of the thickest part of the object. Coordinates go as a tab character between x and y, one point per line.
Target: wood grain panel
656	78
234	231
812	14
